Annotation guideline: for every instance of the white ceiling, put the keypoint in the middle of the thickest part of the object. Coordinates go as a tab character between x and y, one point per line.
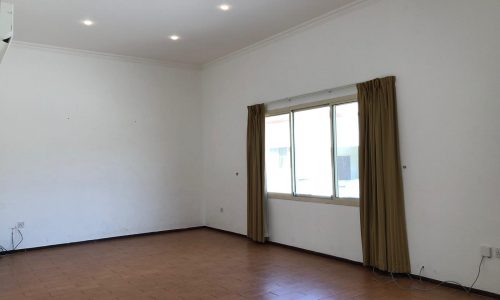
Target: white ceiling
140	28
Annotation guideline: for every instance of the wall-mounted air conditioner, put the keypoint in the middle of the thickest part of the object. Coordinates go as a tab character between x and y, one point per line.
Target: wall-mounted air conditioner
6	26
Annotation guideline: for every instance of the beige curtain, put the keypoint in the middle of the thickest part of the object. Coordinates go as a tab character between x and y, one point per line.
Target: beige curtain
255	173
383	225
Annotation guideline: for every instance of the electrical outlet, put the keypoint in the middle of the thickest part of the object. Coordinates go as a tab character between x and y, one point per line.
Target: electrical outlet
486	251
20	225
497	252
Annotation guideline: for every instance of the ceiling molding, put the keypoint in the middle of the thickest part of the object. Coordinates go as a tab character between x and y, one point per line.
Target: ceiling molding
172	64
103	55
289	32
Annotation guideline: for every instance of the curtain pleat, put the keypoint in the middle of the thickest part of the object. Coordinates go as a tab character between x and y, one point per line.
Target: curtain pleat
255	173
382	212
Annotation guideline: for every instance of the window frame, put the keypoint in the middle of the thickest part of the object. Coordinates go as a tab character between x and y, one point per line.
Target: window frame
306	106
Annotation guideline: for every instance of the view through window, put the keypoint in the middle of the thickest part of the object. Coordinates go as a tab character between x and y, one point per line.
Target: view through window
278	171
313	152
346	150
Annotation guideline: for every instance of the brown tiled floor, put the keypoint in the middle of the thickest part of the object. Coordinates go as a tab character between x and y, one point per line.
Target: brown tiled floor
195	264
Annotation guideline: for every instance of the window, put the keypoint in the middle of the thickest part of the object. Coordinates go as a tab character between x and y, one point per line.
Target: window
278	171
313	151
346	150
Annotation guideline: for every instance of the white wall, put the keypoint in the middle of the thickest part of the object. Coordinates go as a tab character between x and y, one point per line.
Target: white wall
446	56
94	147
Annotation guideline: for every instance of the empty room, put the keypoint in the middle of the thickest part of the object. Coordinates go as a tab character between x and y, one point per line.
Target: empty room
249	149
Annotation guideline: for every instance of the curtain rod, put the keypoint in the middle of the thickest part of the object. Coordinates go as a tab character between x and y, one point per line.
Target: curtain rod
329	91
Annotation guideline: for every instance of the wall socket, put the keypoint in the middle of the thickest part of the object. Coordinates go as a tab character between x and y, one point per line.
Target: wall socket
497	252
20	225
486	251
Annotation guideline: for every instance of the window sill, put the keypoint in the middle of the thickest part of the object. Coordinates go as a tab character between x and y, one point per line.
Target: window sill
313	199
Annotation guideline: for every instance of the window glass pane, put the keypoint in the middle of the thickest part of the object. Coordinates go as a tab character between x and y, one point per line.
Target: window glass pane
278	171
347	144
313	157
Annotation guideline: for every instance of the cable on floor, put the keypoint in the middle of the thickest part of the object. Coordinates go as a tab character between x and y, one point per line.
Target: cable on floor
380	278
466	289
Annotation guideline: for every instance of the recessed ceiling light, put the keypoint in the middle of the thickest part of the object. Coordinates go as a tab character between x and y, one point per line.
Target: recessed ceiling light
174	37
88	22
224	7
